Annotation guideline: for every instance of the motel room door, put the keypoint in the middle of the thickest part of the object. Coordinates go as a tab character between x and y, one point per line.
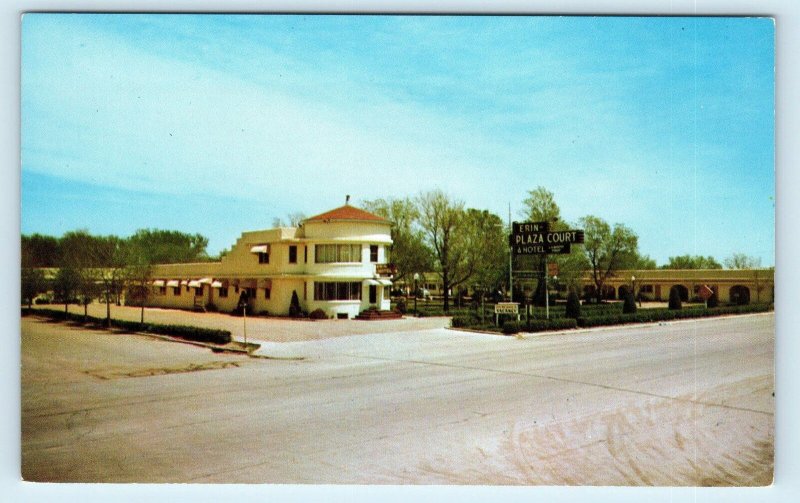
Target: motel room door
373	294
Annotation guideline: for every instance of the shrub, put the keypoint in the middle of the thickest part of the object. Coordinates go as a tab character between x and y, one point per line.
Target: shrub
294	306
211	307
713	301
573	306
675	299
553	324
401	307
510	327
463	321
629	305
318	314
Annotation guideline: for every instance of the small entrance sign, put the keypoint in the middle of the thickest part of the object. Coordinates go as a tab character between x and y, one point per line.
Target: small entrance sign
505	308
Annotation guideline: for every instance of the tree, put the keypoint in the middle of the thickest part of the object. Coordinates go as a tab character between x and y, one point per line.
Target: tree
138	275
629	304
409	253
441	219
40	251
485	247
294	305
169	247
675	298
293	219
33	283
644	262
65	285
692	262
607	250
540	206
78	252
742	261
573	305
111	252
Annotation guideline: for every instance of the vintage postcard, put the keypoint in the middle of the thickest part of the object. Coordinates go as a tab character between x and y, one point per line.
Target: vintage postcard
397	249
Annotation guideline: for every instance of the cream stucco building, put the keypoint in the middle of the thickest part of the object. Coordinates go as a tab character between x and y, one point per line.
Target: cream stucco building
335	261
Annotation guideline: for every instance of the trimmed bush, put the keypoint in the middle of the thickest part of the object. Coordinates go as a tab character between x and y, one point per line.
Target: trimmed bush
463	322
553	324
629	305
675	298
510	327
294	306
318	314
183	331
713	301
400	307
573	306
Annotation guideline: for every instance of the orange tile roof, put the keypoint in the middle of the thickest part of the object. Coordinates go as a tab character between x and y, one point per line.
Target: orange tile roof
346	212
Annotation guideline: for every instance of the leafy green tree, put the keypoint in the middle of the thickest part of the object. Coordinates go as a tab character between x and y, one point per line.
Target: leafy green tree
692	262
441	219
541	206
742	261
33	283
66	285
573	305
78	252
644	262
138	274
40	251
170	247
607	249
409	252
485	246
629	304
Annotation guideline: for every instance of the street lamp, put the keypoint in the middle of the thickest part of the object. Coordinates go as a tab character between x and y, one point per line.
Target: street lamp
633	289
416	279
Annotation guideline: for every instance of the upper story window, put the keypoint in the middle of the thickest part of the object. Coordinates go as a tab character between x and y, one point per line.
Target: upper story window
263	253
263	258
325	254
373	253
292	254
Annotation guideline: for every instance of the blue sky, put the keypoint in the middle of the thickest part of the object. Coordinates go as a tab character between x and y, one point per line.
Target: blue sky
217	124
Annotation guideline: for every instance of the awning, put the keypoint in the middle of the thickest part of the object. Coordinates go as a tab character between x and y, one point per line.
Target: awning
371	282
216	284
247	283
385	282
184	282
260	249
173	282
195	284
158	282
265	283
206	281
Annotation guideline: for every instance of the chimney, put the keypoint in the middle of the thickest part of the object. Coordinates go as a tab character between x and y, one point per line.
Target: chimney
347	200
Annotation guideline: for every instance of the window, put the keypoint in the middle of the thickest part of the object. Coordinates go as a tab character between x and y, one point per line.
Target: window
305	254
325	254
162	290
267	293
263	258
176	291
373	253
292	254
646	289
337	290
198	291
223	291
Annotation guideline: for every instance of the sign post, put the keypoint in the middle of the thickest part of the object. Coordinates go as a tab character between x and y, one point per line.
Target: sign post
536	238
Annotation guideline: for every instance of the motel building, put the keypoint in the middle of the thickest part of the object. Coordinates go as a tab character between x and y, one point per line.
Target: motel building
335	261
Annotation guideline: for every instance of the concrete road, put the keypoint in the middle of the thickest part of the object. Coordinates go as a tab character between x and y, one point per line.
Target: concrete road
687	403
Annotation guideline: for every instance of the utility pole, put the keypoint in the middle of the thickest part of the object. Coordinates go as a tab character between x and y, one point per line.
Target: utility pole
546	291
510	259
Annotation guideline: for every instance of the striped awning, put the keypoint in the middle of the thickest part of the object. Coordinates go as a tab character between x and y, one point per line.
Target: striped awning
173	283
260	249
371	282
184	282
158	282
216	284
195	284
206	281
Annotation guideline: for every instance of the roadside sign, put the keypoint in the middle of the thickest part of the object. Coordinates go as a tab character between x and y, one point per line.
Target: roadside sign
506	308
535	238
704	292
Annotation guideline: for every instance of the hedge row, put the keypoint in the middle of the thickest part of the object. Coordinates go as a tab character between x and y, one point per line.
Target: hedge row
534	326
651	315
183	331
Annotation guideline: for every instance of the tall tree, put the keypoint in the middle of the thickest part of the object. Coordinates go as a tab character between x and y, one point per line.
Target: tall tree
33	283
486	249
40	251
541	206
170	247
65	285
78	252
112	253
692	262
409	251
441	219
607	250
742	261
138	275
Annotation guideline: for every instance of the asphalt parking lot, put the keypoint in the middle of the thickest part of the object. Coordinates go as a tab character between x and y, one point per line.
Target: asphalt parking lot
685	403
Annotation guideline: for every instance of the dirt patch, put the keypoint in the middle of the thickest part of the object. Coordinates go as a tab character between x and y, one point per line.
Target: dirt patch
106	374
